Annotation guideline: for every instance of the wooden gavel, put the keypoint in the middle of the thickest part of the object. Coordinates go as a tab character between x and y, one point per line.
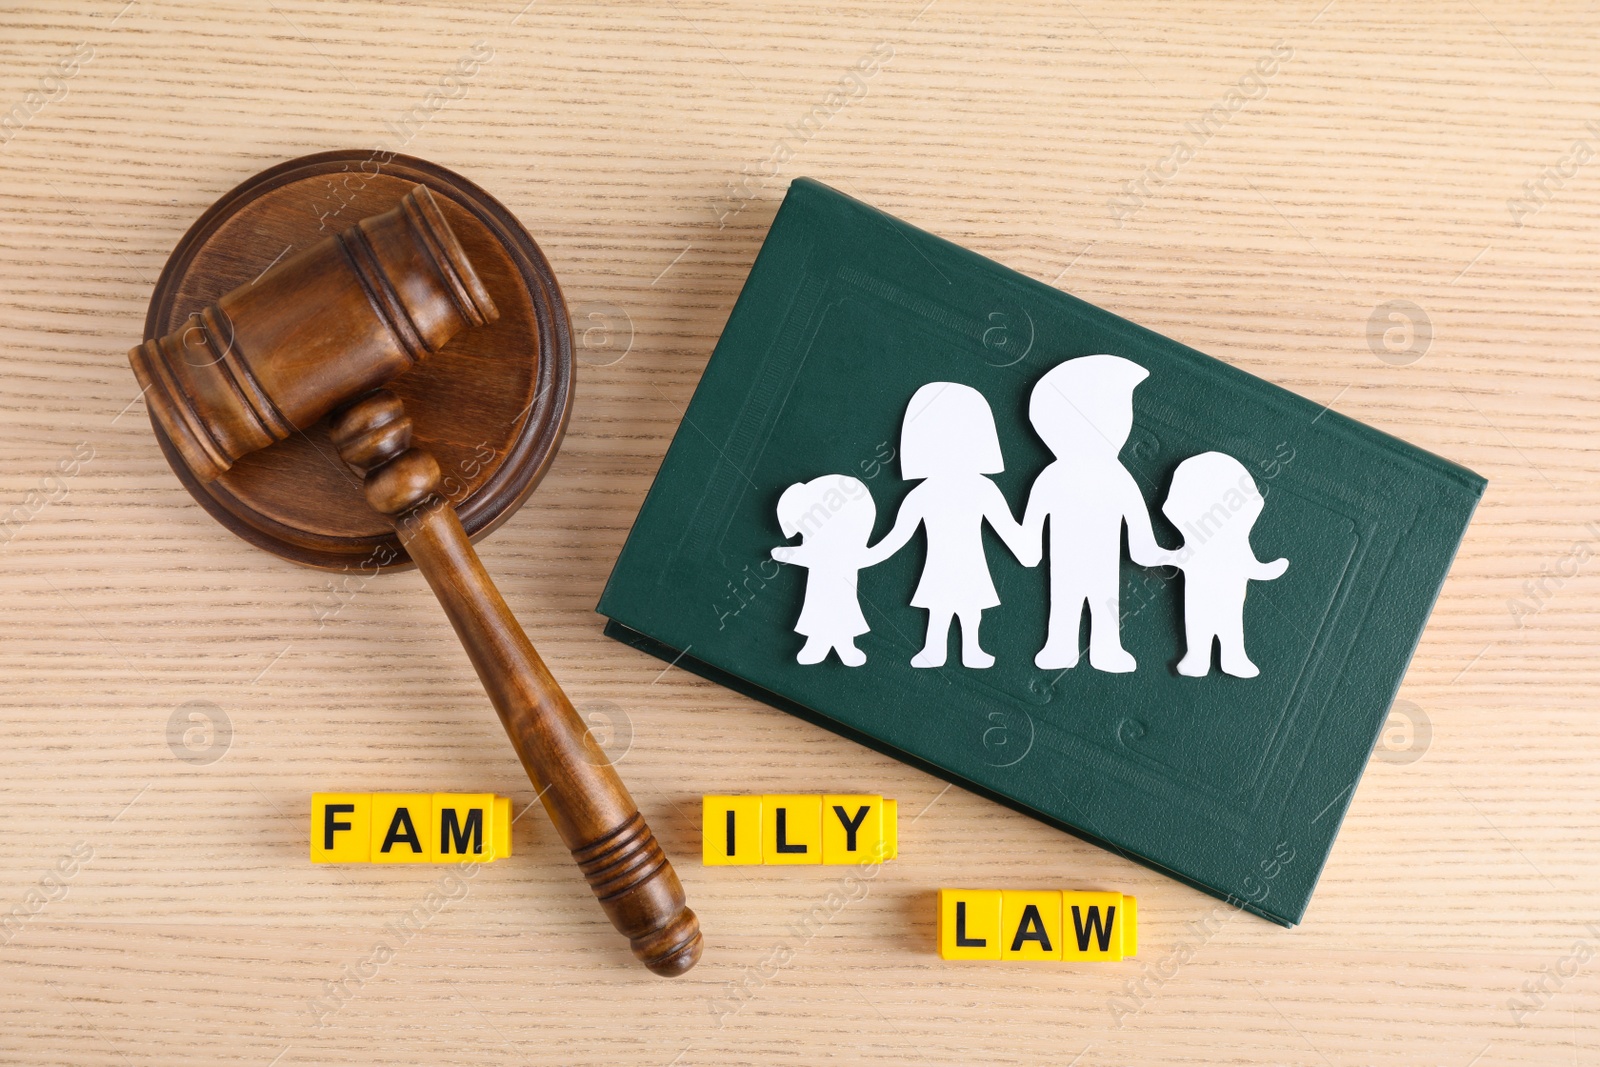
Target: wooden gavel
320	333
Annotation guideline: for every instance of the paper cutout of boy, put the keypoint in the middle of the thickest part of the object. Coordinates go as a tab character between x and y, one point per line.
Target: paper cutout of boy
1215	502
1083	410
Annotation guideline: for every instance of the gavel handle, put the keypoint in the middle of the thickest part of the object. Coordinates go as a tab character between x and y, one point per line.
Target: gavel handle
580	790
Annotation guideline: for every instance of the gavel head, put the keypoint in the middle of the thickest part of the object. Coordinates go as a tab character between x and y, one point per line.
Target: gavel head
315	331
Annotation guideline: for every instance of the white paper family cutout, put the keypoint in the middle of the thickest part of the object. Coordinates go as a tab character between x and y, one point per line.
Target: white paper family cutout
1083	411
834	550
1214	501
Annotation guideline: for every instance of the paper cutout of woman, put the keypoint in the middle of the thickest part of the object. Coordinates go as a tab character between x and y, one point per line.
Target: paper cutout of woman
948	443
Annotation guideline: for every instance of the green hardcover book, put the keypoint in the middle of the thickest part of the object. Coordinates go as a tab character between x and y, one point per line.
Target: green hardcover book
1041	552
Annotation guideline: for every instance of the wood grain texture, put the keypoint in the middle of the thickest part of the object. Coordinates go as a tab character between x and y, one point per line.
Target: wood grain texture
1382	161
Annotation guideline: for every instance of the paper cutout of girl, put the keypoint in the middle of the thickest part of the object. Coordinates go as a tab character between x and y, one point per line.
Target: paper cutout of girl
835	514
948	442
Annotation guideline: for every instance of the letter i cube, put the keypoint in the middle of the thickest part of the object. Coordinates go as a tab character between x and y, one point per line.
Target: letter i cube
730	829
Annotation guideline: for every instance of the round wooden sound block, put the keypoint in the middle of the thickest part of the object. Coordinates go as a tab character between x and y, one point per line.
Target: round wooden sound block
491	407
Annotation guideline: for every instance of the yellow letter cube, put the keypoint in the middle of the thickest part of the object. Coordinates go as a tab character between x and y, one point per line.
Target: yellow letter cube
502	828
852	830
1095	926
791	829
730	830
341	827
969	924
1030	925
402	825
462	827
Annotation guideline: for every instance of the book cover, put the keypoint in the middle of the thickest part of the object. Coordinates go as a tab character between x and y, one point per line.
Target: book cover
1081	569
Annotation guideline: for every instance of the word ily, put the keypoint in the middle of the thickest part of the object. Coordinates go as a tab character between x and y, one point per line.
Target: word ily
786	829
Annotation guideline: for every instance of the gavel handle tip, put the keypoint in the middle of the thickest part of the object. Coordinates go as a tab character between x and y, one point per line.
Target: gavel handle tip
673	949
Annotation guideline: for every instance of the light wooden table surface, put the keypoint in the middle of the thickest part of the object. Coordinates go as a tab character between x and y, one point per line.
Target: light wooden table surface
1441	154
